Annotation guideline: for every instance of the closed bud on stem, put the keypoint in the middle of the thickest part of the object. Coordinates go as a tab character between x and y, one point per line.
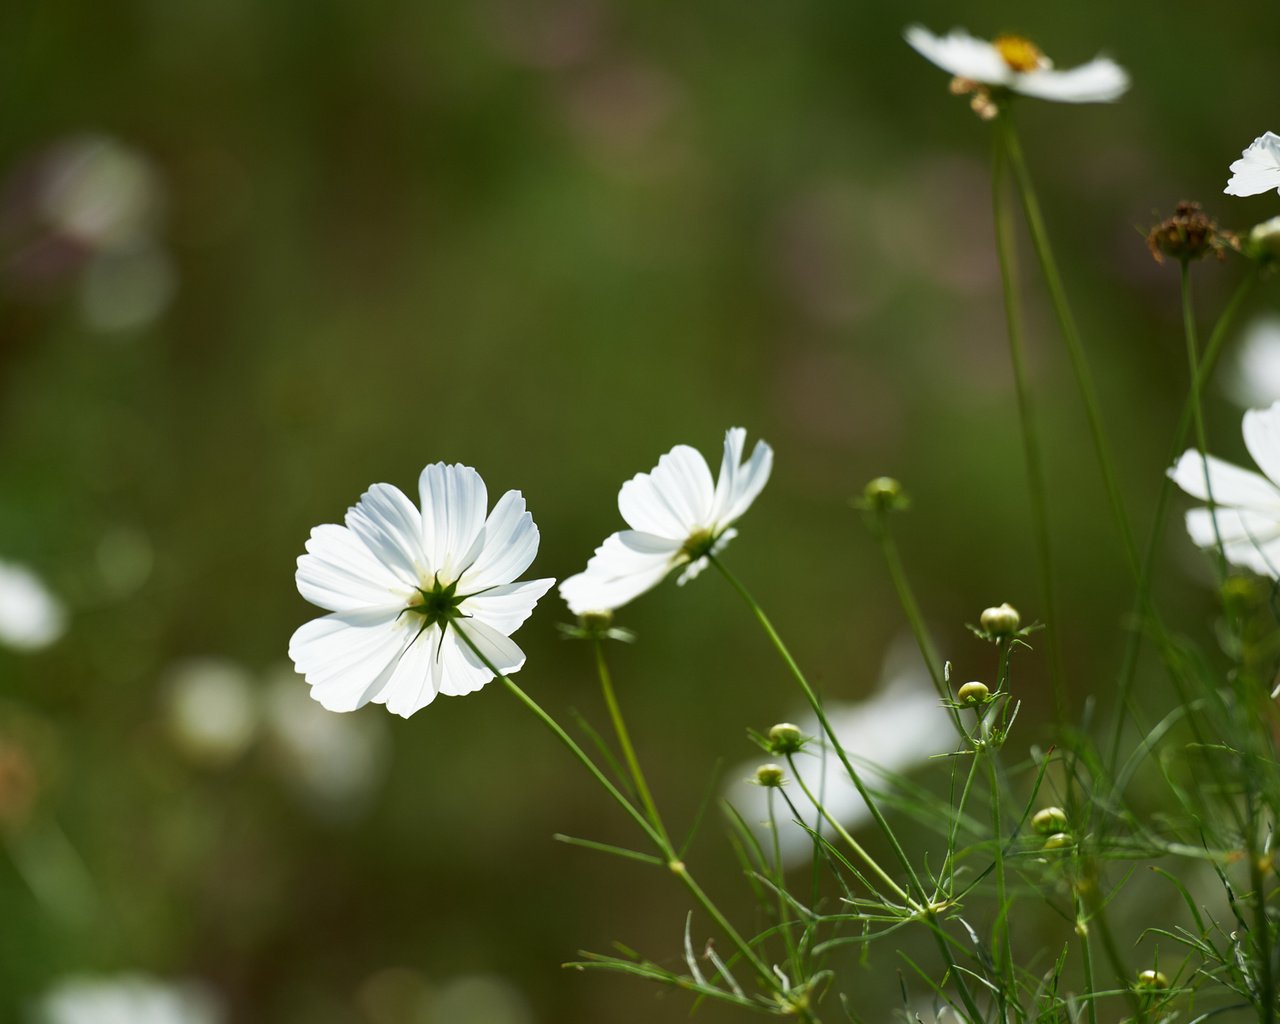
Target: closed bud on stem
1152	981
883	493
973	693
1002	620
596	622
785	738
1189	235
769	776
1264	240
1058	841
1049	820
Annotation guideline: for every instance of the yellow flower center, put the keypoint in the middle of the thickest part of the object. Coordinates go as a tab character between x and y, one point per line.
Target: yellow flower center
1019	53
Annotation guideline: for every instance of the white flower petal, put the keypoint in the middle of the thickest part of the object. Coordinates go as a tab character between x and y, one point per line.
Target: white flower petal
506	607
414	682
501	651
347	656
1101	80
961	54
461	671
454	502
391	528
674	499
1261	430
1258	169
749	481
1248	538
1231	485
623	567
341	574
507	546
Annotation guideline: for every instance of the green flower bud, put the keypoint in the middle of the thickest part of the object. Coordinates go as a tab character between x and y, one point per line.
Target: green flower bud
596	622
884	492
1264	240
973	693
769	776
1152	981
1002	620
1058	841
785	738
1048	820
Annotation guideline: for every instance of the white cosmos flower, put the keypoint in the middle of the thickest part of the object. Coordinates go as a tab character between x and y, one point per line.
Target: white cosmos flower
30	617
1011	62
1246	504
401	585
127	999
677	517
1258	169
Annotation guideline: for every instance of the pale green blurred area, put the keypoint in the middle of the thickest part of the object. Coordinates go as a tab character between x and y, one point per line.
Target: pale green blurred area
549	240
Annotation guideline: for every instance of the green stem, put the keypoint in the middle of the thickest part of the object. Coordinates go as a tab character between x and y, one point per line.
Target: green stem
628	750
1004	954
1217	341
818	711
1071	335
1086	956
674	864
1026	415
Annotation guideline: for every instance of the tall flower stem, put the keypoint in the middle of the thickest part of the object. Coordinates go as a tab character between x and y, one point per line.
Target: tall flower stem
1071	335
1204	372
628	749
1031	450
818	711
674	863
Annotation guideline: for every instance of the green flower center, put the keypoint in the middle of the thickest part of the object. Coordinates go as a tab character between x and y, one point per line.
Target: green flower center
436	604
699	543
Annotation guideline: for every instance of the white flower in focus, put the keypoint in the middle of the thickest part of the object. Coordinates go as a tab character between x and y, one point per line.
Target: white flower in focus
1258	169
127	999
892	731
403	584
30	617
1246	505
677	517
1013	63
1254	380
211	709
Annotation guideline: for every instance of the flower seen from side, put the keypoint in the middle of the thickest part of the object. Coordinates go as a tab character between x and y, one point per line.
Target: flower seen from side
1245	504
1258	169
418	599
1012	63
678	517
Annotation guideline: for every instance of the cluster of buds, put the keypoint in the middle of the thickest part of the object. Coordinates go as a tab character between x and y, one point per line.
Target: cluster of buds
1190	234
1051	822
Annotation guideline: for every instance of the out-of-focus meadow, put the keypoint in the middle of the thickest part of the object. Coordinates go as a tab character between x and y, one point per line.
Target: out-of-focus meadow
255	257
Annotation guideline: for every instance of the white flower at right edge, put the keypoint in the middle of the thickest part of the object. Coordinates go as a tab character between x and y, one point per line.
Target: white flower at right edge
677	517
1246	505
1258	169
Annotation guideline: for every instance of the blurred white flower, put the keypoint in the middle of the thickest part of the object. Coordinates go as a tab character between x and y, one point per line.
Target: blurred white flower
896	729
1013	63
1246	504
402	585
677	517
127	999
30	617
1254	379
334	762
126	287
1258	169
100	192
211	709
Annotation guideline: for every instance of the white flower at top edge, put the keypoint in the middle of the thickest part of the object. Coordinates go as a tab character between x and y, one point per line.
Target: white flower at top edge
1258	169
1011	62
401	584
677	517
1246	504
127	999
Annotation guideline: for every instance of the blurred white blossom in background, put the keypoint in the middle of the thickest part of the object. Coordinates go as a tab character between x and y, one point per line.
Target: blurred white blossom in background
211	709
127	999
31	618
1253	381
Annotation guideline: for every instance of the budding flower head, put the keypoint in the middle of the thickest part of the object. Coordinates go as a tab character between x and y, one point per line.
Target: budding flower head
1002	620
1264	241
785	738
1058	841
973	693
884	492
1189	234
1151	980
1048	820
769	776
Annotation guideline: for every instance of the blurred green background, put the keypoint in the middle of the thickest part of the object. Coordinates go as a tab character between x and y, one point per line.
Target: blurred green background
549	240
